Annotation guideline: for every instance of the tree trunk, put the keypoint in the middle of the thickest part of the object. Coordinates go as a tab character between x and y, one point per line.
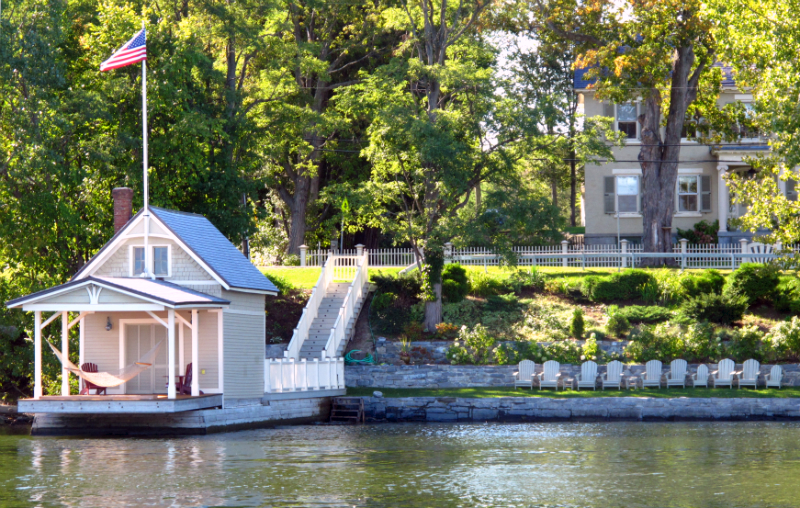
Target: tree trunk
573	184
299	205
554	191
433	310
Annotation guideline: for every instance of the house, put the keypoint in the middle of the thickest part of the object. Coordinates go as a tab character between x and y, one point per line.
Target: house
612	190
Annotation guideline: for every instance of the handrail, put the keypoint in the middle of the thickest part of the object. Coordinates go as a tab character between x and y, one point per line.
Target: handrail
310	311
346	312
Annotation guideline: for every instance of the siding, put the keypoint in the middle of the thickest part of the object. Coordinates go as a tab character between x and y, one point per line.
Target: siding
249	302
183	266
244	355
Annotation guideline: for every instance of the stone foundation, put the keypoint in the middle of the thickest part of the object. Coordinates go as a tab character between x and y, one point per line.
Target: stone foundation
474	376
520	409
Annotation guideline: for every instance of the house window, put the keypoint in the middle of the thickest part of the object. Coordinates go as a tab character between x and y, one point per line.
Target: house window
791	190
160	261
621	194
138	260
694	193
626	120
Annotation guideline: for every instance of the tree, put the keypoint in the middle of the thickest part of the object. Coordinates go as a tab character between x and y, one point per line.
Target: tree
655	51
439	129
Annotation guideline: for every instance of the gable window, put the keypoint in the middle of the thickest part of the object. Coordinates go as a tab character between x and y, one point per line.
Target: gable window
160	261
622	194
694	193
138	260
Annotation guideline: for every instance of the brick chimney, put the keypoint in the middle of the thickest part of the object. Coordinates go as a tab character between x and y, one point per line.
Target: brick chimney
123	206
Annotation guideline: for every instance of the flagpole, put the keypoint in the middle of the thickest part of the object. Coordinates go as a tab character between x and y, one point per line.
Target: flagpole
144	160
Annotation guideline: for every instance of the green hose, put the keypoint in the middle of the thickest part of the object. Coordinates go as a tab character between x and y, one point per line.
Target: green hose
349	360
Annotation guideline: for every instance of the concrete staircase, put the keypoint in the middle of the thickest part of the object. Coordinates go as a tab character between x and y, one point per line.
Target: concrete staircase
320	329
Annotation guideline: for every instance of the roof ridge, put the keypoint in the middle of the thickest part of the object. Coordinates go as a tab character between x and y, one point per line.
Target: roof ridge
180	212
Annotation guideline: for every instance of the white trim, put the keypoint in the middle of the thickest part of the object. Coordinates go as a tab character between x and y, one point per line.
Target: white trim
123	388
245	312
687	214
627	172
79	307
629	215
158	319
78	319
220	353
254	291
690	171
195	282
152	259
151	235
50	319
743	97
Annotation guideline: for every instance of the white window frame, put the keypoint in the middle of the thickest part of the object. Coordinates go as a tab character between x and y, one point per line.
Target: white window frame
636	122
749	102
151	268
617	173
694	172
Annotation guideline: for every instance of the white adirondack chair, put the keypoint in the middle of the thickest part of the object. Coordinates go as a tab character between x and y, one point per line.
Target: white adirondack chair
750	371
613	375
774	377
588	376
701	377
548	378
652	374
677	374
760	248
725	373
524	375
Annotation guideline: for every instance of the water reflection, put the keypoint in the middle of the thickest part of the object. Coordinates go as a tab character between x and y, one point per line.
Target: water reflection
566	464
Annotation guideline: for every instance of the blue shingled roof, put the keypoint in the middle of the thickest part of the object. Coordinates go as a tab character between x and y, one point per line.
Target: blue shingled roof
214	249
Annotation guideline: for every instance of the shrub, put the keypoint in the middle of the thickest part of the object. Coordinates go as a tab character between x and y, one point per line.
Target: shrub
447	331
702	232
784	338
591	350
414	331
406	286
626	285
520	280
576	326
455	285
642	313
502	303
483	285
617	325
787	298
473	346
662	342
291	260
724	309
706	282
745	343
756	282
702	344
282	283
382	301
562	352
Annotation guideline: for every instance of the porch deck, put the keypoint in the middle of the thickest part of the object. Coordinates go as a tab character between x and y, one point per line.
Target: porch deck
118	404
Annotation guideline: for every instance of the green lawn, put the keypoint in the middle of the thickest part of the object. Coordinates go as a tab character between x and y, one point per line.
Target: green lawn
484	393
306	278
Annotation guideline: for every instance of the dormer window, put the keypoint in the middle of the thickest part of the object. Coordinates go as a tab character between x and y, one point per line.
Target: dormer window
160	265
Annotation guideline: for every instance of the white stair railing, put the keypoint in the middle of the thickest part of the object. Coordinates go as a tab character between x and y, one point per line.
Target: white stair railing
283	375
354	294
311	310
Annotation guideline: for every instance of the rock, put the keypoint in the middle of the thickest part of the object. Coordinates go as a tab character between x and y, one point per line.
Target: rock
377	394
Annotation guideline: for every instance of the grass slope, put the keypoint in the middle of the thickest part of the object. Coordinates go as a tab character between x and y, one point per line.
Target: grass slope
484	393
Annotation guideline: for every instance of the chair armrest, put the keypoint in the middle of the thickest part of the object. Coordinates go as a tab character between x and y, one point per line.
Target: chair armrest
578	378
558	375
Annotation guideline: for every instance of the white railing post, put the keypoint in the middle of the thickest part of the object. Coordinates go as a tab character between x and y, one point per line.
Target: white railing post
292	380
266	374
303	249
684	243
316	370
360	250
448	252
564	251
624	251
303	375
743	243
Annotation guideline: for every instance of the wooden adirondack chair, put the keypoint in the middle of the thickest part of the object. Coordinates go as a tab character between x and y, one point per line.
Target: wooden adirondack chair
588	376
677	374
87	385
613	375
652	374
750	371
774	377
524	375
548	378
184	385
701	377
725	373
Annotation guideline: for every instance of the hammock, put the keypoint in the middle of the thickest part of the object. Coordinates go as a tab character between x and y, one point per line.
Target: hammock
107	379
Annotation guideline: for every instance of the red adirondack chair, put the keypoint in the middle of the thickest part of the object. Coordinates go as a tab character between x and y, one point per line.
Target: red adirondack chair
87	385
184	385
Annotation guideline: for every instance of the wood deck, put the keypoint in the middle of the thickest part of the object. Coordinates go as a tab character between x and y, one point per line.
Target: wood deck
118	404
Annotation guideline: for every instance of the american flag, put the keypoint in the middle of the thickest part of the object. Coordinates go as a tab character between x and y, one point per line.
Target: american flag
135	50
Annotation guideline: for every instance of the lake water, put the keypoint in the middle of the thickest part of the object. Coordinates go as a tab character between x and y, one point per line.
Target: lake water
417	465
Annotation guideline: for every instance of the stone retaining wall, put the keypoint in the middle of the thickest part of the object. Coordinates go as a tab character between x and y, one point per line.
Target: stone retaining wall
510	409
473	376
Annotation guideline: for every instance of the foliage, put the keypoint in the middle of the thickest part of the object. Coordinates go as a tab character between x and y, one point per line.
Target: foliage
455	284
703	344
291	260
756	282
383	301
501	303
519	280
723	309
283	311
484	285
626	285
662	342
641	314
705	282
562	352
407	287
746	342
787	298
617	324
472	347
701	233
591	350
785	338
576	326
447	331
413	331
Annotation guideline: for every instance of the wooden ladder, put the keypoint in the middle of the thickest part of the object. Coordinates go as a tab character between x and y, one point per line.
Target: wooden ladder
347	410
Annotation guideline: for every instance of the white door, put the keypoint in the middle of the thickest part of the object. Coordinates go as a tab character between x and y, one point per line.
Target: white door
139	339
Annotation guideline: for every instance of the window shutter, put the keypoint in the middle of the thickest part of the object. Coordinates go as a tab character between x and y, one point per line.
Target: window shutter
705	193
608	109
609	194
791	190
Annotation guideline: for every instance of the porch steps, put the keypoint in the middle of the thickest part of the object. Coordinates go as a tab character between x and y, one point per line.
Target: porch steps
328	312
348	410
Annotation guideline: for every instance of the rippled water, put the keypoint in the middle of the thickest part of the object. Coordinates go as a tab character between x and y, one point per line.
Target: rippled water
554	464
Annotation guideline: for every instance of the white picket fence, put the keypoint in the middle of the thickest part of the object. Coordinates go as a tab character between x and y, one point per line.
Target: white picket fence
726	256
283	375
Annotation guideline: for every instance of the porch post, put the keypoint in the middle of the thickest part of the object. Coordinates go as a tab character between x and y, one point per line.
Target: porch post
65	352
195	355
723	198
171	353
181	352
37	354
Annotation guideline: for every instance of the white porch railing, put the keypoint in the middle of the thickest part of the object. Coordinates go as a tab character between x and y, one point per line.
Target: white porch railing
311	309
284	375
355	292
